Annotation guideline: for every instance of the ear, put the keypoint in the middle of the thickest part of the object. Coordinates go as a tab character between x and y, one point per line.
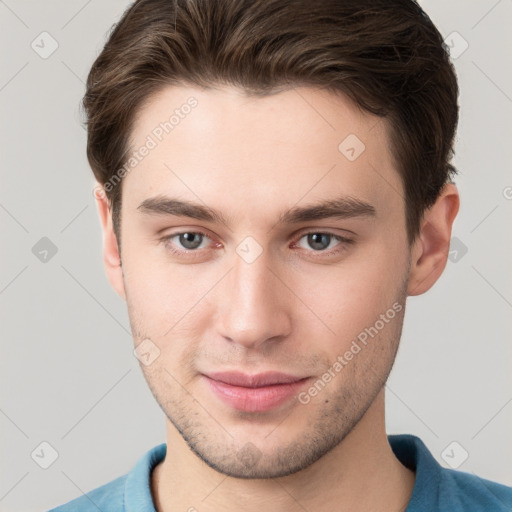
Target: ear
432	245
111	256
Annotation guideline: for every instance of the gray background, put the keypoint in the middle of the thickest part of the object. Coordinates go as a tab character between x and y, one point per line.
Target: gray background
68	374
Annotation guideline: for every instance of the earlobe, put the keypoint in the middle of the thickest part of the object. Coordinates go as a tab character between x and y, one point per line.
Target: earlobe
111	256
430	250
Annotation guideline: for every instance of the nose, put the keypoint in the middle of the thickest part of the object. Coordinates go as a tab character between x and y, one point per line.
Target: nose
252	304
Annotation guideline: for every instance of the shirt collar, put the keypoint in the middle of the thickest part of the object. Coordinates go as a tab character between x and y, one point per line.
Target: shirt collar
412	453
137	489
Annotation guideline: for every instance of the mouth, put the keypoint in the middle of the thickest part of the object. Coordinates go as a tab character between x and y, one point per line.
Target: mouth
254	393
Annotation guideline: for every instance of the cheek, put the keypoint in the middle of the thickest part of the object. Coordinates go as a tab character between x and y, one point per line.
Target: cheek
353	293
158	290
170	303
166	303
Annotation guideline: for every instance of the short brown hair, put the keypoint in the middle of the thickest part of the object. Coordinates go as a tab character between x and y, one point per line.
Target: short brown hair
386	55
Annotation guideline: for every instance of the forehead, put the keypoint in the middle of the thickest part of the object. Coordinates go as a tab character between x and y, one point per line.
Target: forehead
280	149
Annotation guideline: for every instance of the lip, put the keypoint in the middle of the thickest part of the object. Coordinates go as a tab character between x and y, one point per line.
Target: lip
254	393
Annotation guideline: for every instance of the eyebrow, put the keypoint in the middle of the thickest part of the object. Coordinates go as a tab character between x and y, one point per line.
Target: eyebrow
342	208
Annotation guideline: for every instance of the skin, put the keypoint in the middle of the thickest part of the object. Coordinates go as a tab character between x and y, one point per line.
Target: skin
293	309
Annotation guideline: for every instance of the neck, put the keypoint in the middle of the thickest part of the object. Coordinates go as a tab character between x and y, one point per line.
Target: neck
361	473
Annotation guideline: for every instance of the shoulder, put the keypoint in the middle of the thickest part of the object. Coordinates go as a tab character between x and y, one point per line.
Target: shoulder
440	489
107	498
131	490
459	490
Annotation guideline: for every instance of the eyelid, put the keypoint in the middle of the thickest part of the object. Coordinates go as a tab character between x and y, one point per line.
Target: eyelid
166	239
191	252
323	231
330	252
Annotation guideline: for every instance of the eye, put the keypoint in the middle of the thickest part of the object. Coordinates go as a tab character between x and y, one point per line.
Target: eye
187	241
318	241
191	243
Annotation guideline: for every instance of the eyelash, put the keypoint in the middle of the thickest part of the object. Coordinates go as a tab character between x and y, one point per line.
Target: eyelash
197	252
185	252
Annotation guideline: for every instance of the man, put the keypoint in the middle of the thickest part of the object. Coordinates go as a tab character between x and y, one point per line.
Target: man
275	180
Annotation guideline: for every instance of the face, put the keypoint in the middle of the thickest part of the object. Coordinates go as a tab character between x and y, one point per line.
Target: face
265	264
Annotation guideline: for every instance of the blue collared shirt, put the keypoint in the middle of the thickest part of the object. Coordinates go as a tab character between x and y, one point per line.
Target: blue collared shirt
436	489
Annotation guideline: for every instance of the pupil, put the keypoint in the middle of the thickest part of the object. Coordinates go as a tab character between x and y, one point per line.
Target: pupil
190	240
319	241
